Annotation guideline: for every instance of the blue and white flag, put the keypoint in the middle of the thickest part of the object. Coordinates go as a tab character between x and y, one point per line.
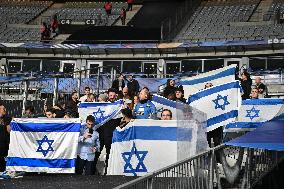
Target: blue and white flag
43	145
162	103
102	111
145	146
221	103
216	77
255	112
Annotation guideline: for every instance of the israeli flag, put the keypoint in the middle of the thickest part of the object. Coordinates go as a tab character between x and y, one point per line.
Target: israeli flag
145	146
162	103
43	145
221	103
255	112
216	77
102	111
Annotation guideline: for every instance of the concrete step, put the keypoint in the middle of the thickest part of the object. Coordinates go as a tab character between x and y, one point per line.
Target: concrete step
129	15
262	8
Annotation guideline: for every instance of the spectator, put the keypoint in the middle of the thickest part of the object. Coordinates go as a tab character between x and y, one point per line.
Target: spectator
145	109
123	16
127	117
4	136
58	111
90	98
208	85
108	7
67	116
129	5
179	95
106	130
118	84
29	112
166	114
71	105
254	93
135	101
87	93
170	88
45	32
262	89
246	83
133	86
49	113
102	97
88	144
54	24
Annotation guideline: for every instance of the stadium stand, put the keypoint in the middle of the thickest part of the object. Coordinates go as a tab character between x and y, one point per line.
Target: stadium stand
228	20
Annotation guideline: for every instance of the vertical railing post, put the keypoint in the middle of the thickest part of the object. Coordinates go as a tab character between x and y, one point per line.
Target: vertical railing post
79	82
112	74
211	171
98	81
25	95
55	90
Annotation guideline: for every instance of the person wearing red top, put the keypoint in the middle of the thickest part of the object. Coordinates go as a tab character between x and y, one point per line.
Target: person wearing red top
108	7
130	3
54	24
123	16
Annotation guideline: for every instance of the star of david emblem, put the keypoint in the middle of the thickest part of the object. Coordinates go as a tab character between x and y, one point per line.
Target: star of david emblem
40	145
99	114
128	167
221	102
252	113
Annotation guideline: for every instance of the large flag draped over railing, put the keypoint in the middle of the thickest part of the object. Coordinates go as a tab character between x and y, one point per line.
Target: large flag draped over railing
43	145
220	103
216	77
102	111
144	146
255	112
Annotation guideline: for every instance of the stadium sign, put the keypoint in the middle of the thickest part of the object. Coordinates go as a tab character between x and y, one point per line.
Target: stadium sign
65	21
275	41
90	22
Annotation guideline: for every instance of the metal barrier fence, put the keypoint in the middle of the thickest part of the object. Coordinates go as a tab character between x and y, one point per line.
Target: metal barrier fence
238	168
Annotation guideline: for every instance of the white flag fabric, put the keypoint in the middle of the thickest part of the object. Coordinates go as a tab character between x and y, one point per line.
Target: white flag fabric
162	103
43	145
216	77
144	146
255	112
102	111
221	103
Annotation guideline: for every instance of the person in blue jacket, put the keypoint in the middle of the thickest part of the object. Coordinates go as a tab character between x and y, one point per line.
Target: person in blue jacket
89	143
145	109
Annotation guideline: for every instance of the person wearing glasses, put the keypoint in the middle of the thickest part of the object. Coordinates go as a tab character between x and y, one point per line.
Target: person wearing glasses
166	114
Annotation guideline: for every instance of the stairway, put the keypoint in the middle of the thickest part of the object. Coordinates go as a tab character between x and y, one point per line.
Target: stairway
262	8
129	15
47	14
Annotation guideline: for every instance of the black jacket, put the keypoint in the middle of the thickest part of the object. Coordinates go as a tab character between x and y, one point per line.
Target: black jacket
246	86
168	90
133	87
4	135
115	84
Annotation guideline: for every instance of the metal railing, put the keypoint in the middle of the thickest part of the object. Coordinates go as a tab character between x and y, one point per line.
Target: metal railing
205	170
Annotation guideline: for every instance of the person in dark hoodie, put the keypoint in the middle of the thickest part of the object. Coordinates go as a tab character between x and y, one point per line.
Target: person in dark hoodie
170	88
179	94
145	109
246	83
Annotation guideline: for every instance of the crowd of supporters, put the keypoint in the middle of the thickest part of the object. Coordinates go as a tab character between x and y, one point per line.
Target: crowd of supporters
137	105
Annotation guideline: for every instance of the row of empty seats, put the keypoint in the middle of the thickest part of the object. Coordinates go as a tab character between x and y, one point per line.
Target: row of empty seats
213	22
277	7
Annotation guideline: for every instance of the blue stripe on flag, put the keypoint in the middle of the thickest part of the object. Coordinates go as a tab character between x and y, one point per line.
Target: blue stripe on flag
230	71
33	162
99	104
263	102
164	101
244	125
45	127
222	117
152	133
213	90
